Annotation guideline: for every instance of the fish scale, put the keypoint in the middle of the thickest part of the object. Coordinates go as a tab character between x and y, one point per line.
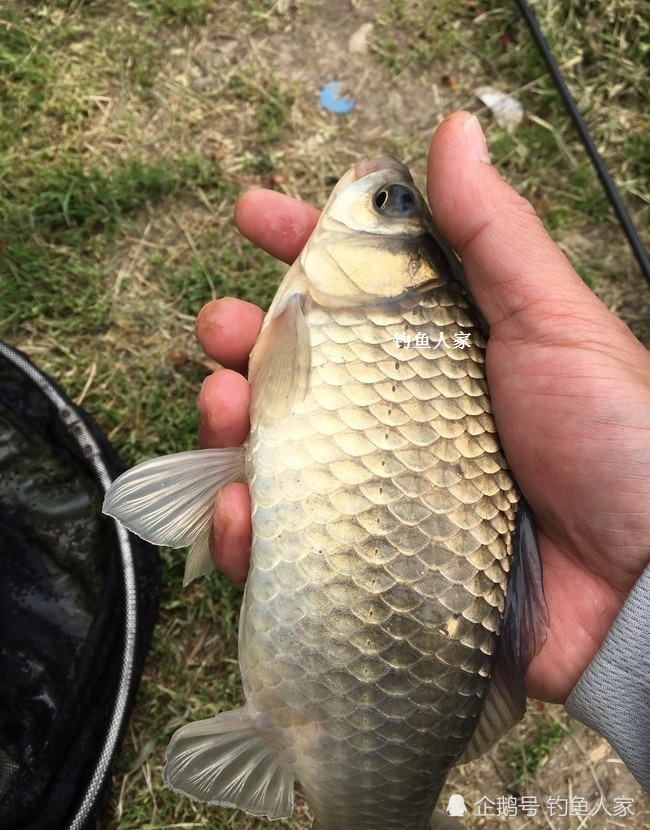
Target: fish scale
411	628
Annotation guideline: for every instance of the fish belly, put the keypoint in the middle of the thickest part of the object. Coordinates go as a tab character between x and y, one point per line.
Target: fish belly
383	511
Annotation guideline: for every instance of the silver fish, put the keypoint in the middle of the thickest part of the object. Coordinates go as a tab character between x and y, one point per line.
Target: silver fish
395	587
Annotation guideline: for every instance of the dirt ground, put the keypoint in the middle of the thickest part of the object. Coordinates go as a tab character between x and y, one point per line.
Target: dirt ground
582	774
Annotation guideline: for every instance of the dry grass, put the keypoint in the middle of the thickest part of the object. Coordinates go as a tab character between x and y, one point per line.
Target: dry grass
128	130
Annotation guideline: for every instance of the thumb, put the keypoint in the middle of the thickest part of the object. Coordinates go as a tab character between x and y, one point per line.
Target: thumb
520	279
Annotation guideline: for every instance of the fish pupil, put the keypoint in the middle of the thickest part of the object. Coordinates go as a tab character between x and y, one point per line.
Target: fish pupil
395	200
380	199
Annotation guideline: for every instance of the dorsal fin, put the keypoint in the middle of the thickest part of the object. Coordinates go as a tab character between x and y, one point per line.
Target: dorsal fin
522	636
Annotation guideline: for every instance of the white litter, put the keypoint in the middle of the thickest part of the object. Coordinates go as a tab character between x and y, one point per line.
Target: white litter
507	110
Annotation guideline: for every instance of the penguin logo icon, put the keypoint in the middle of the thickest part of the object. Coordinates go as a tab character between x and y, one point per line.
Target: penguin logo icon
456	806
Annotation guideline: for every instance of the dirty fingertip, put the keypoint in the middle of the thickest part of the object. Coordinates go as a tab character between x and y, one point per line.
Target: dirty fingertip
227	329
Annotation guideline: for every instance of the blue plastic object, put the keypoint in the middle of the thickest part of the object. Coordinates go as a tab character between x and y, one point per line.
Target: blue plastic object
332	101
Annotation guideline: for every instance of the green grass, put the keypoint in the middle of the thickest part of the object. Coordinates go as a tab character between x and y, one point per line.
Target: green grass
24	69
527	757
415	34
56	220
244	273
192	12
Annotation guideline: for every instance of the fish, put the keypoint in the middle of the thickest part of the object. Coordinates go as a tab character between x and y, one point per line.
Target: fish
394	597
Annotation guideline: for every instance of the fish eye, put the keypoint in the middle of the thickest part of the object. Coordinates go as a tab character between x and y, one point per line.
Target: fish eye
395	200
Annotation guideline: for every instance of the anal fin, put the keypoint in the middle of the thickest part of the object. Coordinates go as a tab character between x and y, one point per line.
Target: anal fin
224	761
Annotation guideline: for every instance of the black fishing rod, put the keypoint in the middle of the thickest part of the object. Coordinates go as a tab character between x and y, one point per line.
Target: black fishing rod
603	174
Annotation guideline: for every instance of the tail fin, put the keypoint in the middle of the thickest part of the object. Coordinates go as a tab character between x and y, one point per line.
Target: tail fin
224	761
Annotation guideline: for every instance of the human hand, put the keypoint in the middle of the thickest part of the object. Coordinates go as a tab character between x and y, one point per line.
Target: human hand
570	388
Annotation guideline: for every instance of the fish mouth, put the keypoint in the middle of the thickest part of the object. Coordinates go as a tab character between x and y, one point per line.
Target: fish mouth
365	166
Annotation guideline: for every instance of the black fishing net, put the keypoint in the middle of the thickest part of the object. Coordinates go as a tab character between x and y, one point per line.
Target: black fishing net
78	598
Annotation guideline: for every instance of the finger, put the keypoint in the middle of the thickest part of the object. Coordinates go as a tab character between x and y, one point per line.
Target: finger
223	406
227	329
511	262
277	223
230	542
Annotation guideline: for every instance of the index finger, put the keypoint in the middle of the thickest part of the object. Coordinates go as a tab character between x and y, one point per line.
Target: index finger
277	223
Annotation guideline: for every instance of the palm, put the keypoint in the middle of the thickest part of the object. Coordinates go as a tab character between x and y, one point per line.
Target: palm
570	388
562	404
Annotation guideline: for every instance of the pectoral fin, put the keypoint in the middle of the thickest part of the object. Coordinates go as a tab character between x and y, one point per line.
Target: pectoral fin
279	362
169	500
522	636
224	761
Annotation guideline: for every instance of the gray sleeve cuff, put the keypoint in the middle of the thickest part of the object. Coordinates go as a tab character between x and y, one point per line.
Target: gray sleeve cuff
613	695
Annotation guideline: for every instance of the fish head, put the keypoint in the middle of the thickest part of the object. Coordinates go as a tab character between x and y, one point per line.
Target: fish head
376	239
376	197
375	246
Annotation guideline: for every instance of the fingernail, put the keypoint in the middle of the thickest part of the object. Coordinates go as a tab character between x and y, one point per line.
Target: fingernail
475	139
